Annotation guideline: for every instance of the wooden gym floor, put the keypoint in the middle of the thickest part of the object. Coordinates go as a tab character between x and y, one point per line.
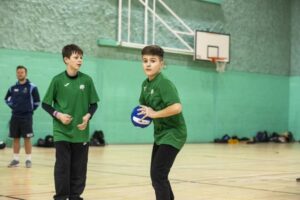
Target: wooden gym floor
201	172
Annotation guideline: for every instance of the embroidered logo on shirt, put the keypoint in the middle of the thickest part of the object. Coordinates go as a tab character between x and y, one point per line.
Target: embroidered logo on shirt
152	91
16	90
81	87
145	88
67	84
25	90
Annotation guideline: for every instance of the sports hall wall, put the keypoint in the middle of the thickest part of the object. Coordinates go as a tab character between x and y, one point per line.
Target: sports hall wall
255	93
294	112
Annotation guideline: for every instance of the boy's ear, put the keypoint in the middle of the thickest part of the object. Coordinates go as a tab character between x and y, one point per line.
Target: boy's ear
163	65
66	59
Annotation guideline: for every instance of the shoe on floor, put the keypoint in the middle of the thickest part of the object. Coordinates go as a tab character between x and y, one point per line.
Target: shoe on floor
28	164
13	163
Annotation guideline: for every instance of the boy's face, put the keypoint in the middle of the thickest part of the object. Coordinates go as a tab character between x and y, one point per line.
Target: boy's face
74	62
152	65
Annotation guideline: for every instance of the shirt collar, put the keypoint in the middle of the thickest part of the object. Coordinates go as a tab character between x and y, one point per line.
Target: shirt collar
27	81
71	77
157	77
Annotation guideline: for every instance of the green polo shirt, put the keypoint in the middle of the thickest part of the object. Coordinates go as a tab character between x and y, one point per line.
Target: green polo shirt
71	96
158	94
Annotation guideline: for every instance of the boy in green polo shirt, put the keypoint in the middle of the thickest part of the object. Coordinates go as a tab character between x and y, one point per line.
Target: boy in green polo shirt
71	100
159	100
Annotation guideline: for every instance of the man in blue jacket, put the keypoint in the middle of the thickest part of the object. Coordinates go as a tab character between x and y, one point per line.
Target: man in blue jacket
23	98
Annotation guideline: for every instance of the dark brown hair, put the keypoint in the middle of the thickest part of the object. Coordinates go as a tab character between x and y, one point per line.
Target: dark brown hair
69	49
21	67
154	50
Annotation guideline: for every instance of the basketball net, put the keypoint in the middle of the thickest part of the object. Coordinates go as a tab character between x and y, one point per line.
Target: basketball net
220	63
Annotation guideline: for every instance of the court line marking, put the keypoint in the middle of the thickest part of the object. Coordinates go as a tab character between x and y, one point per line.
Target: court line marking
10	197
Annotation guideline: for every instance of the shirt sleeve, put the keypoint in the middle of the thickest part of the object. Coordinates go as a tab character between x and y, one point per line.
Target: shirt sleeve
48	108
169	93
36	98
92	109
8	98
50	94
142	99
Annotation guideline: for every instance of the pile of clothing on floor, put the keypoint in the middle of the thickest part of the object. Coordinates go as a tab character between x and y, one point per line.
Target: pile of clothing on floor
2	144
47	142
261	136
97	139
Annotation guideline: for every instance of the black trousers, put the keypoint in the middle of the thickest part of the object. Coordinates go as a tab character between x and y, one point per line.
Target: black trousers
163	157
70	170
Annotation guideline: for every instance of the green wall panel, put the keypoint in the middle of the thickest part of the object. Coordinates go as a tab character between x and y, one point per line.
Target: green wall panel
294	108
294	97
264	42
213	104
247	103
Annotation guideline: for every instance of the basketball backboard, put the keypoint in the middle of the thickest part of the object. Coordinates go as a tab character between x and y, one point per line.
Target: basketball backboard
210	45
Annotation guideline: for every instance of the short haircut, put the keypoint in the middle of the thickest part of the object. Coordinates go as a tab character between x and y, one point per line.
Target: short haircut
69	49
21	67
154	50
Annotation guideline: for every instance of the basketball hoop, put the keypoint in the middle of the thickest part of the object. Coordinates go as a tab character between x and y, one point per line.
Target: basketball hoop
220	63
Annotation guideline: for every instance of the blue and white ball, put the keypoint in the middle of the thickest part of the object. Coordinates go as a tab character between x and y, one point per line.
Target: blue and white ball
137	119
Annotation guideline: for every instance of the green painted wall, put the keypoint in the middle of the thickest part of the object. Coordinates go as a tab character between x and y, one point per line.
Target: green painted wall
294	109
256	93
294	105
214	104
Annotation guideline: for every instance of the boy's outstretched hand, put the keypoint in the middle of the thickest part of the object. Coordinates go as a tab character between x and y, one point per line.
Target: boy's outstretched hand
85	120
